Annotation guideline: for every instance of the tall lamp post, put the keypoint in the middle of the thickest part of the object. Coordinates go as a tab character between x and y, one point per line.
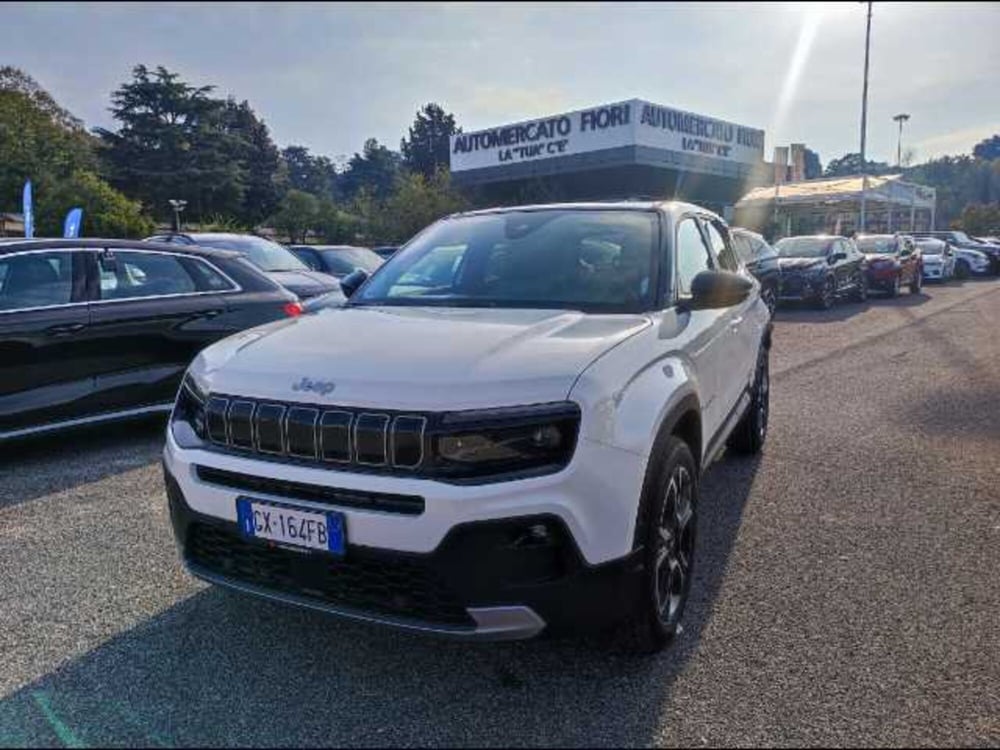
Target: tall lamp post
178	206
864	121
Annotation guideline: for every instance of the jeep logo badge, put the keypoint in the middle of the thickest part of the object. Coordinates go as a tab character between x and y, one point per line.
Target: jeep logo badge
322	387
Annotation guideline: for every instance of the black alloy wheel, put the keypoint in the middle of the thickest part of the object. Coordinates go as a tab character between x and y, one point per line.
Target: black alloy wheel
770	298
917	282
827	294
861	287
749	435
962	270
894	289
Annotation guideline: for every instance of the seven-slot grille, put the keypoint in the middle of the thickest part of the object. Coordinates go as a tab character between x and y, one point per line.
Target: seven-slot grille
333	435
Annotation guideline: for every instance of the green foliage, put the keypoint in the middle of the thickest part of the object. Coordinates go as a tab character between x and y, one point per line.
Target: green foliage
988	148
417	202
980	219
176	141
221	223
427	149
959	181
376	170
311	174
298	213
38	139
106	212
850	164
335	225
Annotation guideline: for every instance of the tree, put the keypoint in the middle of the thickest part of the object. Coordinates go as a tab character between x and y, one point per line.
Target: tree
336	225
417	202
427	149
313	174
849	165
813	167
376	169
297	214
959	181
988	148
980	219
39	140
106	212
266	179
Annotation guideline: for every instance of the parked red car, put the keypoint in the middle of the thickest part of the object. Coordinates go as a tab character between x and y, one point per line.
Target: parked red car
893	261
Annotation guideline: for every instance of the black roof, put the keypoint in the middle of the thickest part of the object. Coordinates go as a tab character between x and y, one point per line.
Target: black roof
98	244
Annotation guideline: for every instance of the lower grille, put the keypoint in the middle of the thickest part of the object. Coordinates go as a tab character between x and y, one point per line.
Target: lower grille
397	587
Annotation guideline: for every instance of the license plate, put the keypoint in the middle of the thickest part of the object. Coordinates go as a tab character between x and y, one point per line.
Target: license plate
259	519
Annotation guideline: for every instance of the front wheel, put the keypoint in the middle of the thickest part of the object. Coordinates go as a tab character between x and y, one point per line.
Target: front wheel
962	270
894	289
668	550
826	295
917	282
769	297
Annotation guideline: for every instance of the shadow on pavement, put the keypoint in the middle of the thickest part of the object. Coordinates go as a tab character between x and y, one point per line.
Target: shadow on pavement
803	312
222	669
39	466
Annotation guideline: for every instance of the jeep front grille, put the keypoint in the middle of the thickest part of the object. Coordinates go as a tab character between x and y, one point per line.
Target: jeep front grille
310	433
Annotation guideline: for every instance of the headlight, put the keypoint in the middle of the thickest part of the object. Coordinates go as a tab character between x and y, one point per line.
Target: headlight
486	443
187	421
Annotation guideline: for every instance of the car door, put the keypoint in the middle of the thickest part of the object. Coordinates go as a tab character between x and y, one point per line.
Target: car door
43	319
152	313
740	343
708	330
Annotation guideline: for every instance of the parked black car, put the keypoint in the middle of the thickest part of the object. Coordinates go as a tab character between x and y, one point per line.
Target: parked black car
337	260
277	261
761	260
821	268
94	330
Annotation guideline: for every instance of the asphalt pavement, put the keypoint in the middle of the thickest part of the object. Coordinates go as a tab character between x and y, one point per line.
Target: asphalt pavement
847	586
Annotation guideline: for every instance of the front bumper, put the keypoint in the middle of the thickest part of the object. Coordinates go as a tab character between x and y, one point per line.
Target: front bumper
800	286
882	277
489	575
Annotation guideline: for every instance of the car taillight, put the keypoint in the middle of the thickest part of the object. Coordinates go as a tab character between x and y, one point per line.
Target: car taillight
293	309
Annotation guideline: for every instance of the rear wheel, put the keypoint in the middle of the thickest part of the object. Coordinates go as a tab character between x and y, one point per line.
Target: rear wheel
861	288
668	551
751	432
962	270
917	282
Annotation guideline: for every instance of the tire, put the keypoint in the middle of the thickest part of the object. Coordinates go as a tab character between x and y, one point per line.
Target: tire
668	550
894	289
861	290
825	299
749	436
917	282
770	298
962	270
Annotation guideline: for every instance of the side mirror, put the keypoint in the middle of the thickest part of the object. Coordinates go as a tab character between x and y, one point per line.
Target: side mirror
711	290
353	281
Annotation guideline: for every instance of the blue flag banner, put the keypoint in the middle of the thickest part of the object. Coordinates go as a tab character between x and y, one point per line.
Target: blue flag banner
71	227
29	217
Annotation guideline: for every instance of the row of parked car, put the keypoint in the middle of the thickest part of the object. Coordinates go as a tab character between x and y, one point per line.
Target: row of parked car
823	268
96	327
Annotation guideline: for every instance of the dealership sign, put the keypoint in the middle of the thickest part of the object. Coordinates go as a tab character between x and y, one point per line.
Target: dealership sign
630	123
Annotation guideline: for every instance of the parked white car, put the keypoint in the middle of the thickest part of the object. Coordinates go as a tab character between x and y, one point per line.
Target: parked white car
969	262
502	431
938	259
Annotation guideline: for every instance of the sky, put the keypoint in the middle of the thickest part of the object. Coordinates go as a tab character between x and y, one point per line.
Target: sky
328	76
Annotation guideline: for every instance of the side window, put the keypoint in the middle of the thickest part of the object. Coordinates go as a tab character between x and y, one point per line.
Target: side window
132	275
762	249
308	257
725	254
206	277
692	255
743	246
36	280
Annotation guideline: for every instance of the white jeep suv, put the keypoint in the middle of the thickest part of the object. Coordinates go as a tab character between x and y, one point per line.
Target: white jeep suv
501	432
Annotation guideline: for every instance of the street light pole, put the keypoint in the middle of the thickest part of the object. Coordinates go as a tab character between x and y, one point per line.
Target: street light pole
864	121
178	206
900	118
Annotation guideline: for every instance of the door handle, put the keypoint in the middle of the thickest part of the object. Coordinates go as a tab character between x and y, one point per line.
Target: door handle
65	330
735	322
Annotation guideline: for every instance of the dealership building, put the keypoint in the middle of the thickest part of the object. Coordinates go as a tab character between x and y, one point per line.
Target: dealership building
627	149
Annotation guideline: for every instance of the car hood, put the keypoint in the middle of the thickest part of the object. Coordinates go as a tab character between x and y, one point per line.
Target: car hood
305	283
415	357
800	264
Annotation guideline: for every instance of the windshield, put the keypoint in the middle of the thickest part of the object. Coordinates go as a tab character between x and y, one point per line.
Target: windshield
930	247
266	255
566	259
803	247
880	245
346	259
